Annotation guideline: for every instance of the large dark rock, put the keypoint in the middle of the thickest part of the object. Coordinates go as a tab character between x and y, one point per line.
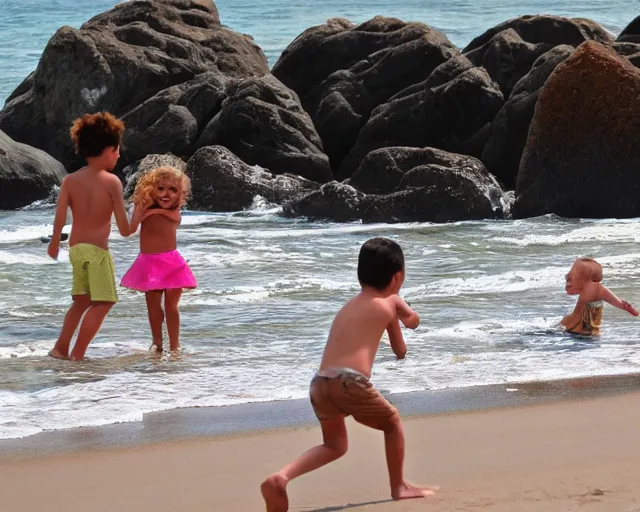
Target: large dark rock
433	186
118	60
630	51
509	129
27	174
385	170
336	45
261	121
508	50
447	198
222	182
582	156
631	33
342	103
455	116
408	185
173	119
333	201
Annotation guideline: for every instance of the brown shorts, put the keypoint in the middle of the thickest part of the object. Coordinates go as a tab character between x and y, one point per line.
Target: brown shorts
351	395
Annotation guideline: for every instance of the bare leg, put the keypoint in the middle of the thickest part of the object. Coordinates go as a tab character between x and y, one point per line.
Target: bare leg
274	488
71	320
171	300
156	316
394	447
89	328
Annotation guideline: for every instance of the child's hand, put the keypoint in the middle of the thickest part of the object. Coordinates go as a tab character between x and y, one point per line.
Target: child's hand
54	248
629	308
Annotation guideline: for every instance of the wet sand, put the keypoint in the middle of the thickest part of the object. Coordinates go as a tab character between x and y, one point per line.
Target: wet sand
572	455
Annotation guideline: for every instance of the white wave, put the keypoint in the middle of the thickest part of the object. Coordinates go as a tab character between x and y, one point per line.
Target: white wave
505	282
24	234
24	258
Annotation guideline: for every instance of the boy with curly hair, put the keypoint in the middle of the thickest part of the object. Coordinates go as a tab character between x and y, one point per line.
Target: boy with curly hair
93	194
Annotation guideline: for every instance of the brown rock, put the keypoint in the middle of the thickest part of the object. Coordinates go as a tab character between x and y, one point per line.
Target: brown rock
582	157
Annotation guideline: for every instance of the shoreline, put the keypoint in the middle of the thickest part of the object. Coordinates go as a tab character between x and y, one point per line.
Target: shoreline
572	455
261	418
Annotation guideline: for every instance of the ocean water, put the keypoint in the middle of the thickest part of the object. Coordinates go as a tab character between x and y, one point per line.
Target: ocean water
489	293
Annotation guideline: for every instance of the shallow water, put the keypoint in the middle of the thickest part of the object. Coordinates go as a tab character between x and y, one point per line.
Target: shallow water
489	294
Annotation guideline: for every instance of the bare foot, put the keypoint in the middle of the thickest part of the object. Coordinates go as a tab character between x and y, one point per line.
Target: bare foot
56	354
274	492
156	347
408	491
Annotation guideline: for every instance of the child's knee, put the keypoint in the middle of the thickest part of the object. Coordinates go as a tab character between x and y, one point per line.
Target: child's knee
392	423
102	306
339	446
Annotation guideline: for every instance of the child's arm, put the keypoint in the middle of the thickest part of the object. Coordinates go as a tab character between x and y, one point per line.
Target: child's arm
174	214
608	296
136	217
396	339
407	316
119	209
59	221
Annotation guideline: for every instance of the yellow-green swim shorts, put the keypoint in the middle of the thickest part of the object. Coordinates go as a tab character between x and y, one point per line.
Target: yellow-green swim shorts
93	273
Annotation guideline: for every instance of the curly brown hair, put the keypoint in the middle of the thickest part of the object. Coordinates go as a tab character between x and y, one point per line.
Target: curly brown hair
144	191
92	133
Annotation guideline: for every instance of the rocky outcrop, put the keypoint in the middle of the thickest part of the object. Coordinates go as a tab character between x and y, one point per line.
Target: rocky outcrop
408	185
583	150
508	50
510	127
26	174
446	198
335	201
173	119
118	60
399	55
133	172
455	116
630	51
631	33
262	122
388	169
222	182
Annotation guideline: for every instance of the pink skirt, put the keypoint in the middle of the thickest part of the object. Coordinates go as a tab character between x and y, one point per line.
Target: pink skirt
162	271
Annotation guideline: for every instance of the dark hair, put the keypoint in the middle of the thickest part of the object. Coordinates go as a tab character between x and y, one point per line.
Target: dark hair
92	133
379	260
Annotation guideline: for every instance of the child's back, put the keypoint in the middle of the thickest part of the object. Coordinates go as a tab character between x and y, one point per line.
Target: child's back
357	329
92	196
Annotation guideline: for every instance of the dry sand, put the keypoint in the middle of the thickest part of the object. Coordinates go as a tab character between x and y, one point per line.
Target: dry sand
569	456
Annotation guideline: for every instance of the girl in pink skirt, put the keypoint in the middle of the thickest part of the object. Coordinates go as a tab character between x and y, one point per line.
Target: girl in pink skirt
159	269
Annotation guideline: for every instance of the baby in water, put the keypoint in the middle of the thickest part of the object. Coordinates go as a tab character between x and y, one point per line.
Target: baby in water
584	279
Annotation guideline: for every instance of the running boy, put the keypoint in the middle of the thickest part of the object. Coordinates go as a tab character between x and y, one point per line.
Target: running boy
584	279
93	194
341	387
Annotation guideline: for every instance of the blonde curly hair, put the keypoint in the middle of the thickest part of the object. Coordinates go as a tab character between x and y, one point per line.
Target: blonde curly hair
144	192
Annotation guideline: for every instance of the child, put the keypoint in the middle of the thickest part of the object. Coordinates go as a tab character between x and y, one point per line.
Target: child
159	268
93	194
341	387
584	280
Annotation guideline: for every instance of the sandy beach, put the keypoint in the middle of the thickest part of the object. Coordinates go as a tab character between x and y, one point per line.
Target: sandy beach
572	455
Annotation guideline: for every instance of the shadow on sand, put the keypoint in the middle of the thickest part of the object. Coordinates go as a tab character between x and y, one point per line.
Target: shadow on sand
348	506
